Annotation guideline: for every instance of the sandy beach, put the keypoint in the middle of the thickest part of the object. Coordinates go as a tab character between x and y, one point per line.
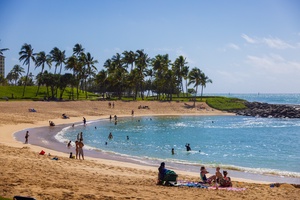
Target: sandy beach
25	172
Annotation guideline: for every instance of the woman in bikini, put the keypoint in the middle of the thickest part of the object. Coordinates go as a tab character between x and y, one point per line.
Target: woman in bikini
203	177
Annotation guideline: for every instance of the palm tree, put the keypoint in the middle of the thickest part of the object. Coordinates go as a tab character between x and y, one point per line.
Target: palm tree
195	78
17	72
89	61
3	80
26	54
160	66
203	81
78	49
185	73
41	60
59	57
101	80
2	50
76	66
179	65
142	62
129	58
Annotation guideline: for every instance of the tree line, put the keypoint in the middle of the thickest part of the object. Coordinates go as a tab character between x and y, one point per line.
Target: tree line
129	74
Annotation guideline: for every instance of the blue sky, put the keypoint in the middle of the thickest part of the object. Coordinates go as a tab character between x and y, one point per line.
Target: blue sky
243	46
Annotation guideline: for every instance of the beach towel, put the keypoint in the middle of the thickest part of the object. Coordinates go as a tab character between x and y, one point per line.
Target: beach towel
189	184
227	188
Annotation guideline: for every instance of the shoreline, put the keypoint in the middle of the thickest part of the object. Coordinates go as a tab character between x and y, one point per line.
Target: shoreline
26	173
44	137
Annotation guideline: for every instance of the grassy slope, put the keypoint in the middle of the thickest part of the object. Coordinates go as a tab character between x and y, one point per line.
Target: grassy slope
219	103
30	92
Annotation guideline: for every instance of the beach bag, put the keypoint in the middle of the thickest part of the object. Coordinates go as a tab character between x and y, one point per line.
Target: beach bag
42	152
170	176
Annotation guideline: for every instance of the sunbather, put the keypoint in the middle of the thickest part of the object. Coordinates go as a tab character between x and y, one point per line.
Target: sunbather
219	175
203	177
64	116
225	181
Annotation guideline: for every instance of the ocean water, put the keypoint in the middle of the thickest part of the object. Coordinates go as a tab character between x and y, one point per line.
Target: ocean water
292	99
250	144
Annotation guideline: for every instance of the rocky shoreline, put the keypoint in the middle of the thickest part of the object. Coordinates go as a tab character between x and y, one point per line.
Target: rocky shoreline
257	109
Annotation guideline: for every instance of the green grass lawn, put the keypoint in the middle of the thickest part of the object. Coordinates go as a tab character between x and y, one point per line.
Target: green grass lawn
16	92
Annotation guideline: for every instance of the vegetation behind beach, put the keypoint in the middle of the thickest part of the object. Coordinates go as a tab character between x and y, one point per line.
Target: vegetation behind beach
15	93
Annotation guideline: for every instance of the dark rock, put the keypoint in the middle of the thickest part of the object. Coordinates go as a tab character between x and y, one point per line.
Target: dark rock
257	109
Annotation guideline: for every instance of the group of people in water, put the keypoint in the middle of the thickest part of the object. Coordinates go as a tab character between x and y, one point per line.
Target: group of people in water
218	179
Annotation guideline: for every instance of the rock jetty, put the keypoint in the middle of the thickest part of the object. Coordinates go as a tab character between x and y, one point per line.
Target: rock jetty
257	109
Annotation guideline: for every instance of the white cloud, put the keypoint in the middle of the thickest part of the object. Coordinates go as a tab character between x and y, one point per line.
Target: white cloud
233	46
249	39
271	42
274	63
276	43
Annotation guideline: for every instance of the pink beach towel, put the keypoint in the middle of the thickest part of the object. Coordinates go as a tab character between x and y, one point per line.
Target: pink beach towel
227	188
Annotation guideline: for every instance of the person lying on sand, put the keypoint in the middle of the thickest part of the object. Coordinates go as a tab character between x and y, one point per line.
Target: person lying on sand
64	116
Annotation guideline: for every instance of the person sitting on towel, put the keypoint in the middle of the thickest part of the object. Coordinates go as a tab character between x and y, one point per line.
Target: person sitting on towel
161	173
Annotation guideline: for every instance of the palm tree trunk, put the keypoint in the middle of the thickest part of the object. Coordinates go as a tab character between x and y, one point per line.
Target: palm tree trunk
85	88
195	97
26	79
38	90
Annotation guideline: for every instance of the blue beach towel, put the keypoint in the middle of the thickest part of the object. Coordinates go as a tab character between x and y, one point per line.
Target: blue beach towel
190	184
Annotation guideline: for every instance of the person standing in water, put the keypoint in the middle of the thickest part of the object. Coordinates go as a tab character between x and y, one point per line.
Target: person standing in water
26	137
69	144
188	148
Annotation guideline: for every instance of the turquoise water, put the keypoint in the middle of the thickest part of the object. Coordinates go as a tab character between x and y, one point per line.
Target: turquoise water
258	145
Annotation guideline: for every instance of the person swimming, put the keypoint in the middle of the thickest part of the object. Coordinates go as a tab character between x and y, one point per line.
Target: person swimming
188	147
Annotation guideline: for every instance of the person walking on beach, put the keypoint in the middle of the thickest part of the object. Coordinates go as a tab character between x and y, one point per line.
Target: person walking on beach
84	121
132	112
80	150
26	137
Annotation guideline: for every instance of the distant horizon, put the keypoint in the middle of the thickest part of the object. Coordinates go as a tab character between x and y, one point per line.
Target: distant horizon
244	47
